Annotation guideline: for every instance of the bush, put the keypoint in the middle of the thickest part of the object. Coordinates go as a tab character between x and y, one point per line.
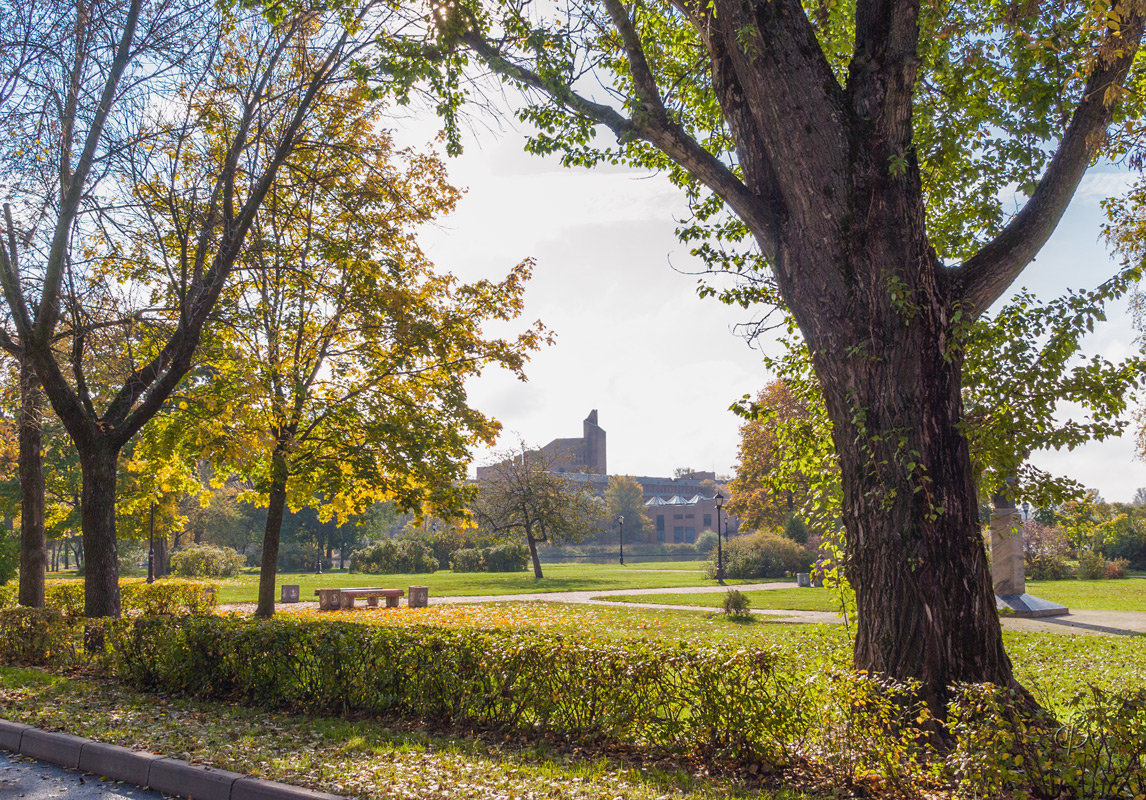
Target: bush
712	703
35	636
1045	548
1091	565
9	557
705	542
166	596
206	561
511	557
390	557
761	555
467	559
736	603
1117	569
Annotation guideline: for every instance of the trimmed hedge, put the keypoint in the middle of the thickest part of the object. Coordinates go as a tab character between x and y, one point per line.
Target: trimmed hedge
165	596
710	702
722	706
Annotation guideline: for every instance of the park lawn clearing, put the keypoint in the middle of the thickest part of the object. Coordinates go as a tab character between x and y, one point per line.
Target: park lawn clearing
1124	594
795	599
558	578
363	758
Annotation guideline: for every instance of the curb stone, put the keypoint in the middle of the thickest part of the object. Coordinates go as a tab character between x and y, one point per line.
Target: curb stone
149	770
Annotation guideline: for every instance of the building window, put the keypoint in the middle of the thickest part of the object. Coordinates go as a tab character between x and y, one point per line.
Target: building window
708	520
690	535
678	534
660	534
689	516
678	516
661	526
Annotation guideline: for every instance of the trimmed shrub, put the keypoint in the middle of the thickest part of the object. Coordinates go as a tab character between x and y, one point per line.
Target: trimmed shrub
714	703
8	594
206	561
165	596
393	557
761	555
36	636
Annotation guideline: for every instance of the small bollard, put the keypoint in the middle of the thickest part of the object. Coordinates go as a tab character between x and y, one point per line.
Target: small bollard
289	593
804	579
419	596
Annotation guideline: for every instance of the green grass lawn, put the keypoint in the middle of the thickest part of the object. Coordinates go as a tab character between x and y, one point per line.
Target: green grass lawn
790	599
558	578
1128	594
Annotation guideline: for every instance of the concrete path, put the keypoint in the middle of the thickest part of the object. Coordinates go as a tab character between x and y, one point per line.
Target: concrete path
21	777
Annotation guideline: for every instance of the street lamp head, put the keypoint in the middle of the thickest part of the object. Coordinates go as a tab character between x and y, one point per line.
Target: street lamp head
719	500
620	519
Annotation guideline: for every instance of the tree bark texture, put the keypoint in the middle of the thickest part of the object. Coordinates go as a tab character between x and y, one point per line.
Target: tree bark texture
276	504
98	463
533	554
33	551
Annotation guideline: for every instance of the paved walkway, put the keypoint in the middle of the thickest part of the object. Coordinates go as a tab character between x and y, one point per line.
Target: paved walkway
1089	622
21	777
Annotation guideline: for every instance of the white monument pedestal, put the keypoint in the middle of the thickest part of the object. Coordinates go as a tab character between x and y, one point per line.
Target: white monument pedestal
1008	570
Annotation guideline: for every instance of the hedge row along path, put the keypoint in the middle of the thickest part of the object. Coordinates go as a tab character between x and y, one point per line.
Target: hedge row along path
1088	622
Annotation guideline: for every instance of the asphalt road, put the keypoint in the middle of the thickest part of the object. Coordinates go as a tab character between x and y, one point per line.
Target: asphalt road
21	777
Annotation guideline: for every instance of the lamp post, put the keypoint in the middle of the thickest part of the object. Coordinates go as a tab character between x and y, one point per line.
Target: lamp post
621	536
151	547
719	500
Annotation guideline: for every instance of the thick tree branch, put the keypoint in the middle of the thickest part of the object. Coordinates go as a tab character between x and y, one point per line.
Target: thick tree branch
984	277
882	72
662	133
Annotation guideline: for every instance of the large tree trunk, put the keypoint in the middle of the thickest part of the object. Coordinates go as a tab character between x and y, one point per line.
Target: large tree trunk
33	552
275	506
98	462
889	362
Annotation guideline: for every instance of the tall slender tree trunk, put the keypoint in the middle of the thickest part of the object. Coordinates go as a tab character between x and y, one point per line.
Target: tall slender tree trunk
275	506
533	554
33	552
98	462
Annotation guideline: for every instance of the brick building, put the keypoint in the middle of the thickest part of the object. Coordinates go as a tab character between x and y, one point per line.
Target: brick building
679	508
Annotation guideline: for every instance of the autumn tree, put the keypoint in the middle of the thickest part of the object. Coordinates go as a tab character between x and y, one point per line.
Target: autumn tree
336	376
624	497
522	494
763	494
110	97
860	149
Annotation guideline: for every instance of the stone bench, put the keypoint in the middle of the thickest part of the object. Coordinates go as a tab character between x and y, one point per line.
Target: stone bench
329	599
392	596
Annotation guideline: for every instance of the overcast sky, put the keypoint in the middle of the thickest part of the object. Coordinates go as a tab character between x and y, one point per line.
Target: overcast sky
635	342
